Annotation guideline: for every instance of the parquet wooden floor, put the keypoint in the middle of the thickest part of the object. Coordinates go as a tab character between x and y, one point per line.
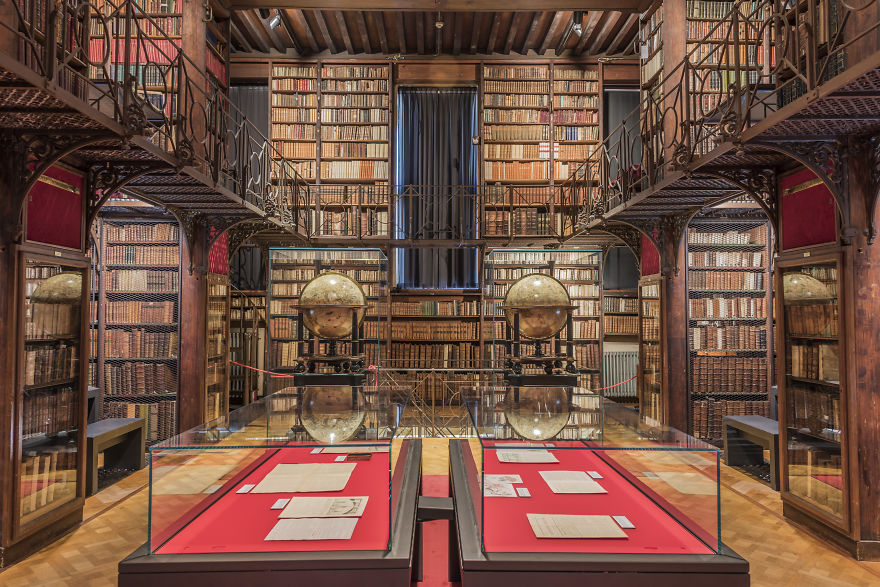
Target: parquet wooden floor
780	554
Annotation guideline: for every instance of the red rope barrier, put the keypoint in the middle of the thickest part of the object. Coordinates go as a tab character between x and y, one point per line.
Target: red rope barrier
615	385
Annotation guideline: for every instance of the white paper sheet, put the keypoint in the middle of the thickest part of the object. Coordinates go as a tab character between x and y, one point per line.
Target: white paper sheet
623	522
313	529
571	482
306	477
325	507
526	456
523	492
566	526
280	504
499	485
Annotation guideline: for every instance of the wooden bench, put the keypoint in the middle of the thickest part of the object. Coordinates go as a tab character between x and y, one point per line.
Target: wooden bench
746	437
122	442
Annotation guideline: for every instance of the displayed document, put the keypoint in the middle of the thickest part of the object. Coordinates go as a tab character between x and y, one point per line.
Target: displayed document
571	482
325	507
568	526
526	456
306	477
689	483
313	529
500	485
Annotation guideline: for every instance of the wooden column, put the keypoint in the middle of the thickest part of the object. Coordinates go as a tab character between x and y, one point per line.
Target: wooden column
673	326
861	293
193	31
193	322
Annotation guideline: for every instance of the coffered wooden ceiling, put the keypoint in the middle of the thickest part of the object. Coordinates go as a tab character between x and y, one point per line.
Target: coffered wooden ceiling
355	32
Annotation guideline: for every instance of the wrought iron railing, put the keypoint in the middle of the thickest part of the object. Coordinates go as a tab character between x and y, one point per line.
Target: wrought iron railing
757	59
117	57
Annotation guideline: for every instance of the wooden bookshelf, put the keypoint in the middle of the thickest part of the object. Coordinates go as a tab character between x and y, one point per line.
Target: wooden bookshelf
650	349
247	345
217	35
651	46
729	321
355	211
217	347
620	314
137	327
576	90
294	102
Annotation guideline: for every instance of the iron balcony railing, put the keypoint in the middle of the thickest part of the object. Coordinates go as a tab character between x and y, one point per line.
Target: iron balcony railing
117	58
760	57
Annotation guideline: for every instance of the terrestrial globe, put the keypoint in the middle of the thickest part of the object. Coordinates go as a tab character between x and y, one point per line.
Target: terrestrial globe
327	302
542	304
539	413
333	414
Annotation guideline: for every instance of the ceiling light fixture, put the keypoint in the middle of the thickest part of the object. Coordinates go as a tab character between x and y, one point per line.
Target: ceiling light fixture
577	19
276	20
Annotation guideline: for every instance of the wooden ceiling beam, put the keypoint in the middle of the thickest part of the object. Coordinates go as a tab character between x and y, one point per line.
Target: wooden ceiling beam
458	32
300	19
420	34
447	5
343	30
328	38
607	33
593	19
362	29
565	36
239	38
401	32
256	39
554	26
493	33
514	29
626	34
593	37
379	20
533	32
476	25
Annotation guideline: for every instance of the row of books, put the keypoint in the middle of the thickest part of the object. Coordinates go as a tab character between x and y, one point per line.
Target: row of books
354	169
139	379
725	259
733	55
707	9
725	280
564	274
137	342
47	477
294	70
651	308
516	87
576	133
216	67
815	361
497	170
708	415
739	336
141	255
654	64
344	115
729	375
300	150
289	274
497	132
461	355
294	101
748	308
651	291
40	272
294	85
355	133
293	132
815	410
586	329
517	116
357	71
350	223
128	312
354	86
525	222
516	71
753	236
436	330
436	308
614	324
650	329
720	30
586	356
575	72
142	280
355	100
527	151
306	169
371	150
576	101
819	319
542	258
49	412
46	321
155	26
286	115
620	304
47	364
517	100
576	86
160	418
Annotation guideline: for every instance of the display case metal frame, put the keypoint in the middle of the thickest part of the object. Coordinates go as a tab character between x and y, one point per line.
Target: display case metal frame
472	566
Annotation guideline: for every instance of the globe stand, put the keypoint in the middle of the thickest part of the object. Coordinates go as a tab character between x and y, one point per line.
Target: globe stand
552	364
347	369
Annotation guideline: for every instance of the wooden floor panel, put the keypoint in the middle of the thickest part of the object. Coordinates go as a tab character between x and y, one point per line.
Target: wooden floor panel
780	554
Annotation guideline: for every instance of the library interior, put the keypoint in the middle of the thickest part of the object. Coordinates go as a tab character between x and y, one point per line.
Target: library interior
410	263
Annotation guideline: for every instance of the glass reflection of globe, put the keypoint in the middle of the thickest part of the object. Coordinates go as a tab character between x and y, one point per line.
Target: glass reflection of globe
540	412
542	304
327	301
800	286
332	414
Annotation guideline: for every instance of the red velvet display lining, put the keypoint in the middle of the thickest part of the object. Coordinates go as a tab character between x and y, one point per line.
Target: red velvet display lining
835	481
507	529
808	216
650	257
54	214
239	522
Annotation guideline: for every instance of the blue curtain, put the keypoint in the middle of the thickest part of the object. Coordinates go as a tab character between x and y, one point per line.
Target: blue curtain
437	171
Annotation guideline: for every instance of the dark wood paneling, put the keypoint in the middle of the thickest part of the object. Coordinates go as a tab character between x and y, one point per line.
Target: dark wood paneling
436	73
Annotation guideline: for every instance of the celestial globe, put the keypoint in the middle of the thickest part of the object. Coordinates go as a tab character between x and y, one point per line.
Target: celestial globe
327	301
800	286
333	414
56	304
542	303
539	413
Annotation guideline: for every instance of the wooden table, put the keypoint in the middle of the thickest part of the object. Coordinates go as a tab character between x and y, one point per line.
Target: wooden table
746	437
122	442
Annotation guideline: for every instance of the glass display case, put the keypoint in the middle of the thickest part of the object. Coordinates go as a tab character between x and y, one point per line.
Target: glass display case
50	392
308	481
575	347
356	282
563	481
811	408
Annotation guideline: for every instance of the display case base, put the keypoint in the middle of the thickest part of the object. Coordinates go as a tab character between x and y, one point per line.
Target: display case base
473	567
539	380
863	550
329	379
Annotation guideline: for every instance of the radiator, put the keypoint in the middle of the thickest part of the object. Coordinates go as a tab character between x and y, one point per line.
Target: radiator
617	367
